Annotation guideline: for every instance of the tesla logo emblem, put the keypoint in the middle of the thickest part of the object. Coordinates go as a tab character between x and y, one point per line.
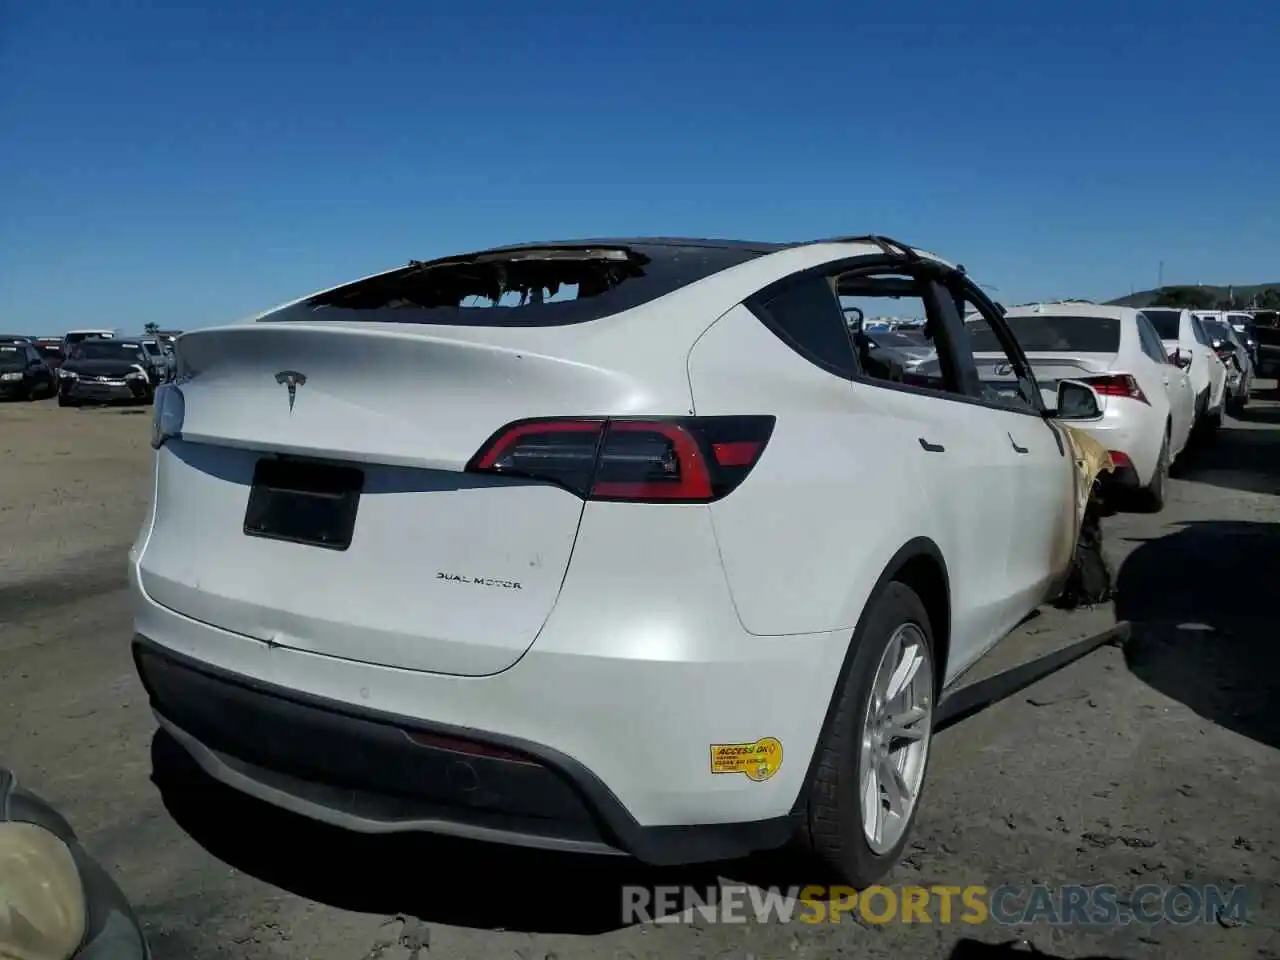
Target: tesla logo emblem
293	380
1003	369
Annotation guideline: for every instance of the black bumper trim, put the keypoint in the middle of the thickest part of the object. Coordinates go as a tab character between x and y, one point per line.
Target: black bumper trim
295	742
1121	478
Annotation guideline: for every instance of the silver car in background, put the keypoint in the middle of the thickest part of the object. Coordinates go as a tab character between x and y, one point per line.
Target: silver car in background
1234	352
909	346
161	360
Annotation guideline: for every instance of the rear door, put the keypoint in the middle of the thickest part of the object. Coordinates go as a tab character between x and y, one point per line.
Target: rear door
967	465
1217	371
1174	381
1174	329
1042	472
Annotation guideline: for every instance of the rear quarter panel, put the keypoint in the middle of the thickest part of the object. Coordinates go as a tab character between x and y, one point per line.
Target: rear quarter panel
833	498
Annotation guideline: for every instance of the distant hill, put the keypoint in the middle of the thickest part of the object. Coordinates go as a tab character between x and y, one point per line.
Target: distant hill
1206	297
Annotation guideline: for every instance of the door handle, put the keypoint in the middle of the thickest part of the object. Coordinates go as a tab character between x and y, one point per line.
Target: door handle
932	447
1015	444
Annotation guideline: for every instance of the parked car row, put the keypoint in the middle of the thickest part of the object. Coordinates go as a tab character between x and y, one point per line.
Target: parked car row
1233	346
24	373
1157	372
1162	374
85	366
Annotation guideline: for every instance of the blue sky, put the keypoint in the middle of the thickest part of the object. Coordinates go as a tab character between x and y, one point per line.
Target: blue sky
191	167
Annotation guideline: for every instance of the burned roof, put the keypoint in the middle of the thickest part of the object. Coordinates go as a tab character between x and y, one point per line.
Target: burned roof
757	246
532	284
543	283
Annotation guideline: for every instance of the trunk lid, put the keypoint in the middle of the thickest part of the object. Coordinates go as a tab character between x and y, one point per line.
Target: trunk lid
446	571
1049	368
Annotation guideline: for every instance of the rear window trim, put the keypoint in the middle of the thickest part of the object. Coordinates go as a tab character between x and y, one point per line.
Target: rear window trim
667	269
760	305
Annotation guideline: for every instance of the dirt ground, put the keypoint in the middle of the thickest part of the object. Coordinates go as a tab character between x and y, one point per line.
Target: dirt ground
1158	762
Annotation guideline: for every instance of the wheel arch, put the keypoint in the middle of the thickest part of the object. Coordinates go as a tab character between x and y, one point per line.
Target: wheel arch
918	564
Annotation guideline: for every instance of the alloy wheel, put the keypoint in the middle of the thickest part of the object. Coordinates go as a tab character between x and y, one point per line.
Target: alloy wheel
896	731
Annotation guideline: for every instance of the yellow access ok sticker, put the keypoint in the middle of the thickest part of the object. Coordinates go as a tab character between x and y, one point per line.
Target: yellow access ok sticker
759	760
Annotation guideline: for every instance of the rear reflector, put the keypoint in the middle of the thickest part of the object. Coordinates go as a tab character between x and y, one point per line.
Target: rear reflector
741	453
1120	459
1117	385
647	460
467	747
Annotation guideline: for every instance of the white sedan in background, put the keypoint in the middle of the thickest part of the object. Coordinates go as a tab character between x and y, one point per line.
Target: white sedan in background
1190	346
1149	404
1232	348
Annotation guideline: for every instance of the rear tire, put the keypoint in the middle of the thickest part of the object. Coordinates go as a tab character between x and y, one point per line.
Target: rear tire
1213	418
867	782
1151	497
1201	420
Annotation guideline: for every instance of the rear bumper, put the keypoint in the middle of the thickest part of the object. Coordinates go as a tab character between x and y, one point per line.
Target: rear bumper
1131	428
375	772
1121	478
358	768
639	671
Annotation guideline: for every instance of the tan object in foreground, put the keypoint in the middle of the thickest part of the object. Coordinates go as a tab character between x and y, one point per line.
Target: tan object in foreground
1091	459
42	907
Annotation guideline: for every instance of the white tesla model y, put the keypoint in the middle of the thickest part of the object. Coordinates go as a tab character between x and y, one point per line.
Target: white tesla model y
624	546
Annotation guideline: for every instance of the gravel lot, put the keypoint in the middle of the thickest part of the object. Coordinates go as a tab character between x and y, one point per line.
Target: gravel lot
1155	763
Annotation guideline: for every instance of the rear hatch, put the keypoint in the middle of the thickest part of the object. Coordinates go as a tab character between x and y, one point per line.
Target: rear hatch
318	497
345	525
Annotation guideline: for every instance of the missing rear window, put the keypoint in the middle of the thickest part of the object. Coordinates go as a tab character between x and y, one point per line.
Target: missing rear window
502	280
525	286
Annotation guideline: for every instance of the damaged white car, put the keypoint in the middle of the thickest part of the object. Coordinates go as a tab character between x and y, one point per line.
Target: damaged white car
613	546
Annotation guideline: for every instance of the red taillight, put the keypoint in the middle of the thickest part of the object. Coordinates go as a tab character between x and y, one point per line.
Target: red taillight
680	459
1117	385
1120	459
